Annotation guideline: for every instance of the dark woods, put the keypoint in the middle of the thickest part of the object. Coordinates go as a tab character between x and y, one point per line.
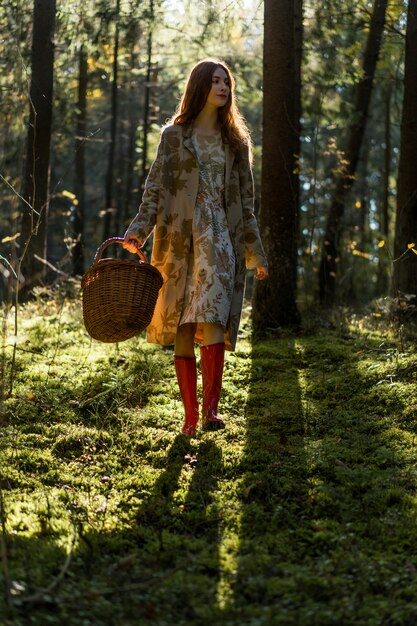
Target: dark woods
329	93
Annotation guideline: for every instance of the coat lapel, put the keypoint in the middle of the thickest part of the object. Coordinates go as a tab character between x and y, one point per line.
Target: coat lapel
230	157
187	141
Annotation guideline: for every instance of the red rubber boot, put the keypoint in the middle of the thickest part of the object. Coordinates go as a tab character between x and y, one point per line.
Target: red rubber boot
186	370
212	361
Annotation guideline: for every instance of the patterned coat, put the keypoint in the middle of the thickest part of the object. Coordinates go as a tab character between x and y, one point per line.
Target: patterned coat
167	210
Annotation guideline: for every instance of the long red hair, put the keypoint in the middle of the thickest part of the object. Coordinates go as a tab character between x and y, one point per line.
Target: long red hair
232	124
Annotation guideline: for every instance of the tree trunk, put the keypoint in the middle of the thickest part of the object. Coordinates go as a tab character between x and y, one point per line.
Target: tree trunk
383	271
147	99
133	120
387	165
36	182
298	52
404	279
361	220
274	301
330	249
78	251
113	127
298	56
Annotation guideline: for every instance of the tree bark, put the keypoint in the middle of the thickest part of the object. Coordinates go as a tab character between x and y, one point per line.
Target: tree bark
404	278
113	127
274	301
133	120
330	248
36	181
382	284
146	105
298	52
384	219
78	251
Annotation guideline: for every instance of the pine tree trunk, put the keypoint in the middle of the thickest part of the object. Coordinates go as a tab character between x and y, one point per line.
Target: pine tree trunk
133	120
36	182
78	251
274	301
107	230
404	278
330	249
298	55
298	52
387	165
383	272
146	105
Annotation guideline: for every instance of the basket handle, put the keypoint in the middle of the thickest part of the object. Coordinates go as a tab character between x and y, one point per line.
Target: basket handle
108	242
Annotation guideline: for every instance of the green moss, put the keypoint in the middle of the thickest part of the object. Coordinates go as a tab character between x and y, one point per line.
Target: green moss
301	512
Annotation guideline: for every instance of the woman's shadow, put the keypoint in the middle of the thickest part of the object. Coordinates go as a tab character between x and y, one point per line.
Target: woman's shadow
180	519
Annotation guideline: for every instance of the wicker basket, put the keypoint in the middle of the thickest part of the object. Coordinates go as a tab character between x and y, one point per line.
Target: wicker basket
119	296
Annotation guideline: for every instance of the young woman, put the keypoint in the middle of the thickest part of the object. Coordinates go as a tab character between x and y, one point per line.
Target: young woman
198	202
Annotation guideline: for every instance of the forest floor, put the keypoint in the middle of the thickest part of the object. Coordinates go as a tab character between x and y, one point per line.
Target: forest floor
303	511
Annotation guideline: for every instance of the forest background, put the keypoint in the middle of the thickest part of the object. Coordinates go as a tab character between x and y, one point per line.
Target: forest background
116	72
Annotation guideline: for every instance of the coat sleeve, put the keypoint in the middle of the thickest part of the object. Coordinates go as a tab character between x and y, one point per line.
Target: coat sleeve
254	251
144	221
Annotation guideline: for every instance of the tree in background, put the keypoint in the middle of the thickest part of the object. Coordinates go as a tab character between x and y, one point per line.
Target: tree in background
274	301
382	286
109	208
79	207
36	182
330	246
147	99
129	199
404	280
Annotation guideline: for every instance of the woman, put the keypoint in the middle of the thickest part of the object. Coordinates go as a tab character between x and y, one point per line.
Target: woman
198	201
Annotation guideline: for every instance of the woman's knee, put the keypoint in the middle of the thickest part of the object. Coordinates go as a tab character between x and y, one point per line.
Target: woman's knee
184	340
212	333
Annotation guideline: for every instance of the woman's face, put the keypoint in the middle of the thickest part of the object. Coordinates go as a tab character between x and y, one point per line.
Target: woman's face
220	89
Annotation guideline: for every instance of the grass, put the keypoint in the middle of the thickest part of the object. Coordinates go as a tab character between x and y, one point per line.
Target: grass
302	512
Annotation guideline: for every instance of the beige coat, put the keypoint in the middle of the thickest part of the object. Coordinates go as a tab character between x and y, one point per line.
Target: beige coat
167	209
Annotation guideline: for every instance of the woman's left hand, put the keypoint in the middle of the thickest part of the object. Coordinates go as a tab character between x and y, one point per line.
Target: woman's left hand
261	273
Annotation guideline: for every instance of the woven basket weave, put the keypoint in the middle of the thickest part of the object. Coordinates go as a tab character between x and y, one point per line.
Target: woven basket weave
119	296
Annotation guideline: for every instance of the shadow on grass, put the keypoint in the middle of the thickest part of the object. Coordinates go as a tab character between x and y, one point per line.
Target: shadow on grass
274	489
328	531
323	498
181	516
165	564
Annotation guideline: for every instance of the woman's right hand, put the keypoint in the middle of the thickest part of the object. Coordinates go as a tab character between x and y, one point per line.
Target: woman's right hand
131	244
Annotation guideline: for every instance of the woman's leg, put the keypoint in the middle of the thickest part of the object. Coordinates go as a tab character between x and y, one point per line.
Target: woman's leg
212	361
184	340
186	370
212	333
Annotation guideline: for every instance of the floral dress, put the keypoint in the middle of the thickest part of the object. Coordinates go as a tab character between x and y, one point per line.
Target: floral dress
211	266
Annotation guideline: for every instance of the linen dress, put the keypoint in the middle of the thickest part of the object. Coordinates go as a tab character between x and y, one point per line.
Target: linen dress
211	264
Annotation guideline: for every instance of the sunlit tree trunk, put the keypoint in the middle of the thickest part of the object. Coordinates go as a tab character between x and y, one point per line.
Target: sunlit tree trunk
274	301
79	210
404	279
330	249
36	182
